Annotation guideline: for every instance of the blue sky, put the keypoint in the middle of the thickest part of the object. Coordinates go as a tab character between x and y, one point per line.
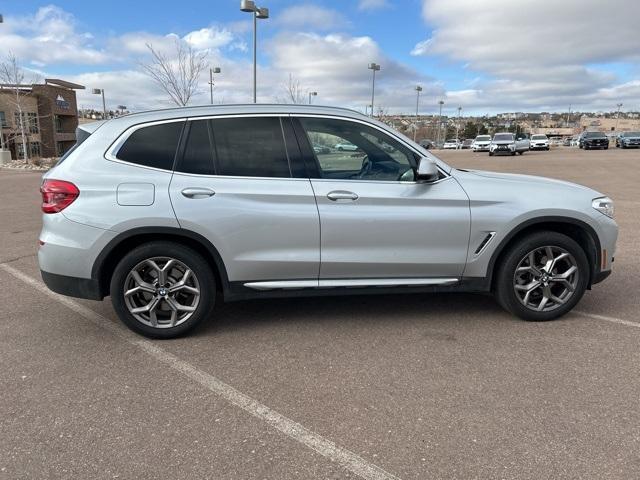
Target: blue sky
488	56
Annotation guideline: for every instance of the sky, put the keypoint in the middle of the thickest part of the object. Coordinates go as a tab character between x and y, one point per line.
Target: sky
486	56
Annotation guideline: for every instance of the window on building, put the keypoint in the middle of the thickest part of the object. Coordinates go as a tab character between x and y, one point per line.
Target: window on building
3	120
34	149
19	150
59	149
59	124
30	121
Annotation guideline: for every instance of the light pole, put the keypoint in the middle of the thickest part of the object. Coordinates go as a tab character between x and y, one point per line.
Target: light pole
618	116
458	123
261	13
374	67
312	94
418	90
441	103
100	91
211	72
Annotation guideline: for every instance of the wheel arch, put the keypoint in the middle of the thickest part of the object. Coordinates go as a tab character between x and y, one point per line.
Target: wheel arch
575	229
106	262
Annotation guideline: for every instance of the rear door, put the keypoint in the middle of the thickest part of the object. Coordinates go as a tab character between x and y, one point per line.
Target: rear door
241	184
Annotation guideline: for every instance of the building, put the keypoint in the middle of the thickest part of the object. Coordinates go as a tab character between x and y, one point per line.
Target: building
50	114
609	125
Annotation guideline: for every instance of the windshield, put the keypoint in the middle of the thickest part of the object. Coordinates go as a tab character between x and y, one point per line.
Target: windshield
594	135
631	134
483	138
500	137
538	137
452	140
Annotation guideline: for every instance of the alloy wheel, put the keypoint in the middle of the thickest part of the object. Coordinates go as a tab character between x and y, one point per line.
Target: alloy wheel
546	278
161	292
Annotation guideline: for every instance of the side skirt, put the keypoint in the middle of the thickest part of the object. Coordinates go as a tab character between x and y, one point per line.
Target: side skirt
239	291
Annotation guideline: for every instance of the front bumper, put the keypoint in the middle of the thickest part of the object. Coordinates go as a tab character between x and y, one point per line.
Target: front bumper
539	146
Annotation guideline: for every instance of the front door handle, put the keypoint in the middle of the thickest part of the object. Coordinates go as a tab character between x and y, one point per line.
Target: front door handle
341	195
196	192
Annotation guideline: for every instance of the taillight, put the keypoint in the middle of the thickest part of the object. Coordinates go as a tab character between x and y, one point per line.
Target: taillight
57	195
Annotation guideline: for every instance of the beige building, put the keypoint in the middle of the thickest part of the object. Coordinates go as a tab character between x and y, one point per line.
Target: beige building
608	125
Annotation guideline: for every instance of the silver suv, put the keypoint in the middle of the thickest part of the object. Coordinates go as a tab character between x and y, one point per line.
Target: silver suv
166	211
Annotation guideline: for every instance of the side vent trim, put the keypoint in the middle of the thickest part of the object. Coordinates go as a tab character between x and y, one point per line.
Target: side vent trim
483	244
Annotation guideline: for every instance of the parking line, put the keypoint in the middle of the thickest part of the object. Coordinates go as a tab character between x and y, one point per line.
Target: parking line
325	447
605	318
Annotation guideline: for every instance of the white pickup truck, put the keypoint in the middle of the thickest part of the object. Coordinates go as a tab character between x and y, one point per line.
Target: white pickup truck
509	144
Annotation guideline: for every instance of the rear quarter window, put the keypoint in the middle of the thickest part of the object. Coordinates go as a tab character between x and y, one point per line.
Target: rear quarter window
153	146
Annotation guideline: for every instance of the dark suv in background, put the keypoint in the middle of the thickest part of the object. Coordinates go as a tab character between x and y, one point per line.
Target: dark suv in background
589	140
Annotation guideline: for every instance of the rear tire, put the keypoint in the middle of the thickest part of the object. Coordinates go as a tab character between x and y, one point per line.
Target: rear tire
172	282
526	264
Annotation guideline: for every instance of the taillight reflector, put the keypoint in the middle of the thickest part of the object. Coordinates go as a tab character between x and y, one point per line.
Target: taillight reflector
57	195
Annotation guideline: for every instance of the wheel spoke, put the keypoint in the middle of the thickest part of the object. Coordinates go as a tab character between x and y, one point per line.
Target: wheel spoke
144	286
565	275
175	305
562	256
149	307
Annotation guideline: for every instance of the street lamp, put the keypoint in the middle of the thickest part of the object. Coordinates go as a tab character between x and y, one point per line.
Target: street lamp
312	94
618	116
100	91
441	103
458	123
261	13
211	72
418	90
374	67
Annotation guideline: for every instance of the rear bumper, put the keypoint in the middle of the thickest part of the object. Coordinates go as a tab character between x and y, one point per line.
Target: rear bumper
72	286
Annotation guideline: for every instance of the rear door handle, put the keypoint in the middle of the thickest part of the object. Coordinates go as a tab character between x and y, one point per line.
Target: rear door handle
341	195
196	192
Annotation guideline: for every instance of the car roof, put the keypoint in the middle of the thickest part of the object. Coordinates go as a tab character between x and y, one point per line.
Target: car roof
235	109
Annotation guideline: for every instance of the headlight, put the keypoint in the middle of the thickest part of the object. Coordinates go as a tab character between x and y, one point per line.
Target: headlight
604	205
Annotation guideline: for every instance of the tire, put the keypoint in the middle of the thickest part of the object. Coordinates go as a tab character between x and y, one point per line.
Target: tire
513	154
547	149
518	255
520	153
491	154
201	279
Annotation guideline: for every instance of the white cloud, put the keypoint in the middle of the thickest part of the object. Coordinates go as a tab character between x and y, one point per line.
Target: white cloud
311	16
372	4
535	54
209	38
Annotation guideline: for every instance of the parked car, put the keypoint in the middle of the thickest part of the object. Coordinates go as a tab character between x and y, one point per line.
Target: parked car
628	140
466	143
481	143
349	147
589	140
426	143
539	142
452	143
566	142
168	211
575	140
508	144
321	149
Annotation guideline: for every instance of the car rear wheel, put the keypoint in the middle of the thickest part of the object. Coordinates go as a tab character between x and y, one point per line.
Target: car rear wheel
163	289
542	276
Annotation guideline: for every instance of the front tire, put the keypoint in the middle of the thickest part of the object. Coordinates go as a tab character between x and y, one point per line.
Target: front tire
542	276
163	289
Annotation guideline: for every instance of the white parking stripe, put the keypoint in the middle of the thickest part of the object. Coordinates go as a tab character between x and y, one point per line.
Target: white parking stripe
608	319
293	430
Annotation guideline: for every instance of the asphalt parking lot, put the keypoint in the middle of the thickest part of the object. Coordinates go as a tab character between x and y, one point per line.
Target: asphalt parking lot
411	387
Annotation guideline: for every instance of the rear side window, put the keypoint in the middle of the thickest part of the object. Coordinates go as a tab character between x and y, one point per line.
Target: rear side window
250	147
153	146
198	156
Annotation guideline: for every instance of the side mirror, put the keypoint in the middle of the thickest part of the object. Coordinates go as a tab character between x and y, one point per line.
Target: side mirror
427	171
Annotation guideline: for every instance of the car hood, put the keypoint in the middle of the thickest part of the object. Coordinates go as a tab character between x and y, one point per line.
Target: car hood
528	179
503	142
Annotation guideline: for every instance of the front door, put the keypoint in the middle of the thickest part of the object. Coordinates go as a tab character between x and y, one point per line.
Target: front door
376	221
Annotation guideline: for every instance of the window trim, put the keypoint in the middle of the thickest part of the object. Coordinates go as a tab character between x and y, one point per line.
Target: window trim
305	139
113	149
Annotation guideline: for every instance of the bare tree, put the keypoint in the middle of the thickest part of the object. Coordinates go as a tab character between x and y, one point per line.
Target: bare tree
177	75
12	76
293	91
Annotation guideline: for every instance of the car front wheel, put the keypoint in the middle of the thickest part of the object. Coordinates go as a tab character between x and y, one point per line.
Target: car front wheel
542	276
163	289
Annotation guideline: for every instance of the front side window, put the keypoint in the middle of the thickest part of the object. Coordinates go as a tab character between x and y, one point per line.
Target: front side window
250	147
354	151
152	146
